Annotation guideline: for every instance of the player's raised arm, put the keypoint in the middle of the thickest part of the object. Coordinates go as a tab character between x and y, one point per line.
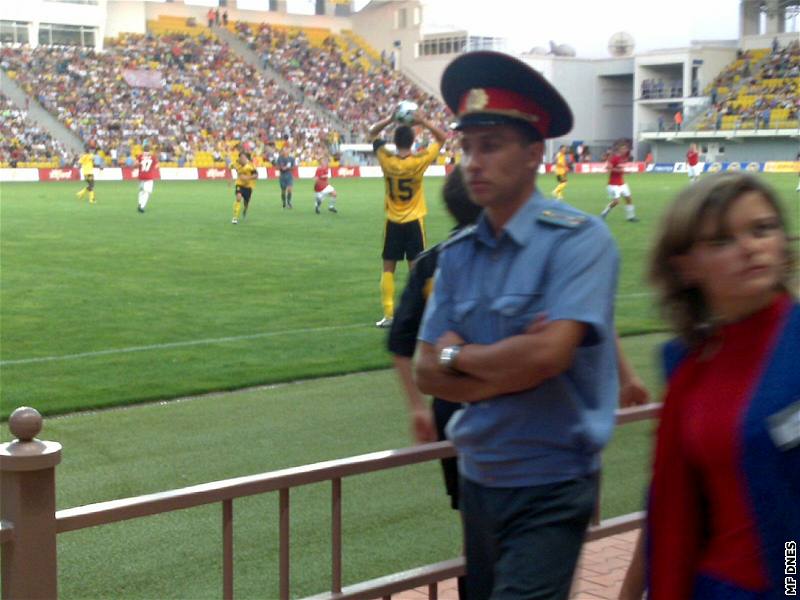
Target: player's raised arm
439	134
376	128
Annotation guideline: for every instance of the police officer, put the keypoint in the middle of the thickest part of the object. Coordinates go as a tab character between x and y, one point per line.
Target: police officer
520	329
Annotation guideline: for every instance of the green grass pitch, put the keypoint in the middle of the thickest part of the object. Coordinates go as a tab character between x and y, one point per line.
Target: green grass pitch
101	306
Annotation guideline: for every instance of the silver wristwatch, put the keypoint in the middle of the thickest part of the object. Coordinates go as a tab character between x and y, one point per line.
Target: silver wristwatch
448	355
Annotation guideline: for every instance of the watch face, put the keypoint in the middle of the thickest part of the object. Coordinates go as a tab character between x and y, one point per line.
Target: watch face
448	355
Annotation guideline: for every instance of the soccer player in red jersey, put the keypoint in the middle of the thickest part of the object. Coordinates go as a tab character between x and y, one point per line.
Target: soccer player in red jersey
693	162
617	188
322	188
148	170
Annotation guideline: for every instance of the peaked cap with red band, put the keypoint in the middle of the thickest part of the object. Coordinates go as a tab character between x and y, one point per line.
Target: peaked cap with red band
491	88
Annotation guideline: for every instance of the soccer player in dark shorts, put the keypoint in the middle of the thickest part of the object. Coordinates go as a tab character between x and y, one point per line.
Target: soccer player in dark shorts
428	425
246	176
87	169
403	240
404	200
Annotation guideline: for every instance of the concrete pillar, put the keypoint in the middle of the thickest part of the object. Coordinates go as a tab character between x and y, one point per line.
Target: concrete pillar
776	17
749	17
28	503
33	32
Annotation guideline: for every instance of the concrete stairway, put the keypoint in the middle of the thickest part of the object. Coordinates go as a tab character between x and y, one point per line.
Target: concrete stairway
353	44
36	112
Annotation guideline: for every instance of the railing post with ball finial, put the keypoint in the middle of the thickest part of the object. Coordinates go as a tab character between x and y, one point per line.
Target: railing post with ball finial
28	504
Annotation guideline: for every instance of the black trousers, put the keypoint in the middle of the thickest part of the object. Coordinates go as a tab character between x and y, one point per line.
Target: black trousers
525	542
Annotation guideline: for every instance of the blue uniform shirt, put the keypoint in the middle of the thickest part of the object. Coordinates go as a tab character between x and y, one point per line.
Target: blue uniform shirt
285	164
550	258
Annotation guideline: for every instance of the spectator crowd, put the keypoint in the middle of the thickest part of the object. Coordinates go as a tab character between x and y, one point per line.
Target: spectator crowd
199	103
23	141
205	100
761	91
336	77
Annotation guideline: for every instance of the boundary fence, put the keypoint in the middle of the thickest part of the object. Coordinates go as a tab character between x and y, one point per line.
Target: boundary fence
29	523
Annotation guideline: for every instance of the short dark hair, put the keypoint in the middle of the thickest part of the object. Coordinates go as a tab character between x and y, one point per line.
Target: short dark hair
457	200
529	133
404	137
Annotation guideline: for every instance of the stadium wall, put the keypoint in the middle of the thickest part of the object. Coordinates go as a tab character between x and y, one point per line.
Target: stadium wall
35	11
677	63
600	93
429	70
736	151
378	23
335	24
126	16
754	42
39	11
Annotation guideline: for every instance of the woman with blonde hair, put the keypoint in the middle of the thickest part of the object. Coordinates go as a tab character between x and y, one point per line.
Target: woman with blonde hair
724	504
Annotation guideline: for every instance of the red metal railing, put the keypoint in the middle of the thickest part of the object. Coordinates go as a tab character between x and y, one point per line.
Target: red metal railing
224	492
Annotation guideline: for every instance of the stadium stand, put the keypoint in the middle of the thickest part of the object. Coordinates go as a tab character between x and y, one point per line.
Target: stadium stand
23	143
343	78
204	106
759	90
205	99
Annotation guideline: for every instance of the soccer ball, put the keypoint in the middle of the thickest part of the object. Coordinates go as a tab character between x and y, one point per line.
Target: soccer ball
404	113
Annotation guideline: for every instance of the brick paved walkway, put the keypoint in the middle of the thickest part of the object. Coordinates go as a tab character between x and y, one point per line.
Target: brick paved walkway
600	571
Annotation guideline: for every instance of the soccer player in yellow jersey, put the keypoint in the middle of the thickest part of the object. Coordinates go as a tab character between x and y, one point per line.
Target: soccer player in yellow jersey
87	169
562	168
404	200
246	176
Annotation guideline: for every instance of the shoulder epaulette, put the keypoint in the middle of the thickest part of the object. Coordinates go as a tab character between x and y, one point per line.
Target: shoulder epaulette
461	235
429	252
561	218
425	262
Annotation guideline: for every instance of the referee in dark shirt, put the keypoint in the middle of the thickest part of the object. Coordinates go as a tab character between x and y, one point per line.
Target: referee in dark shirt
428	425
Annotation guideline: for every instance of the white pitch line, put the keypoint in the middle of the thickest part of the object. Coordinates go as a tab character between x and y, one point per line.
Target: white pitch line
236	338
208	341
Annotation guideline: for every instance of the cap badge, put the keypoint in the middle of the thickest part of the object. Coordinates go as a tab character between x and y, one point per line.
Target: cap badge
477	99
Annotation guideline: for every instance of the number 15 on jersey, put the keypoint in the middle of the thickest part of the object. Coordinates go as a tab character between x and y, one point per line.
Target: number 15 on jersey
399	190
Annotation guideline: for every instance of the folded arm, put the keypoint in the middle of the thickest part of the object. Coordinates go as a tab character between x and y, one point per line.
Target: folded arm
439	381
511	365
524	361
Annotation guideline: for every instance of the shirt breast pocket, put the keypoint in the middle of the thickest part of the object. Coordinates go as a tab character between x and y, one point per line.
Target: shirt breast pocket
463	319
513	313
